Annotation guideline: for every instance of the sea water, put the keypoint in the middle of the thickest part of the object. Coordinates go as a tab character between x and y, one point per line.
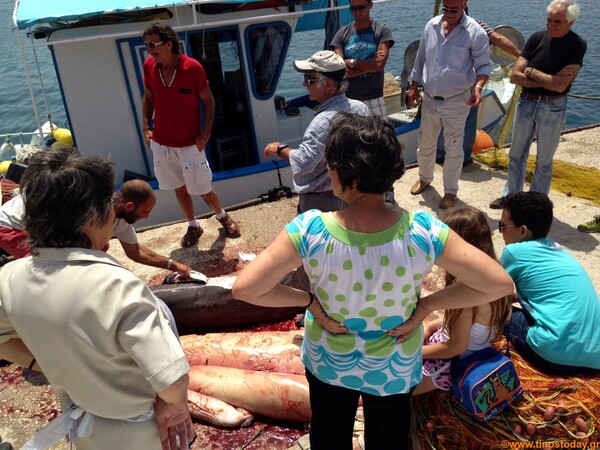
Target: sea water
406	18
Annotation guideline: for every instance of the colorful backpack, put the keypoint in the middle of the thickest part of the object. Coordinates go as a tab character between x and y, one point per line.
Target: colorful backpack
485	382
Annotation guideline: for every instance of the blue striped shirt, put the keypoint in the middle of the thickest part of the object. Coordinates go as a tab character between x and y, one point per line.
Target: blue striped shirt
448	66
309	167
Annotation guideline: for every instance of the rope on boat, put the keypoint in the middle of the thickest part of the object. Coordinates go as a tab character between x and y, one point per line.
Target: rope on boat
26	152
585	97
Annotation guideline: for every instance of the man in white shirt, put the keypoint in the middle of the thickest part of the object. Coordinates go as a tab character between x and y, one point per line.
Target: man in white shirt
134	201
453	65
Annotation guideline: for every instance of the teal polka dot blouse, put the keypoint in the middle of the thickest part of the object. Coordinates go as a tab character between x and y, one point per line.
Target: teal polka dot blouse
371	282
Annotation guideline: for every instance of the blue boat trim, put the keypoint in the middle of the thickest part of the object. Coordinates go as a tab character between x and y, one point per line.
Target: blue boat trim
407	127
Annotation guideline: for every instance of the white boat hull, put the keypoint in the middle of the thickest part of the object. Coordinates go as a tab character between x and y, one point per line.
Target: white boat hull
242	51
231	192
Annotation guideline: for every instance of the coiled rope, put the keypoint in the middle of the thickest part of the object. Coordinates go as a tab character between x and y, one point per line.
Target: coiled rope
26	152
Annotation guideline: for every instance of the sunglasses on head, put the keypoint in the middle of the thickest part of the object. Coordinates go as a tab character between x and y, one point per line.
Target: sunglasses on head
359	7
450	10
311	80
153	44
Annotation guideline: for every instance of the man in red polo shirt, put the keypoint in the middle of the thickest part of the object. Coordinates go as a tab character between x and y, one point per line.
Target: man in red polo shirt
174	85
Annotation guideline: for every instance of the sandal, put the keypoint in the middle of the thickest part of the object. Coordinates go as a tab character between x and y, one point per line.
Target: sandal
191	237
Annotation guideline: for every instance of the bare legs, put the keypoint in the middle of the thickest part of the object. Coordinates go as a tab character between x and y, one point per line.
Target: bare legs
187	205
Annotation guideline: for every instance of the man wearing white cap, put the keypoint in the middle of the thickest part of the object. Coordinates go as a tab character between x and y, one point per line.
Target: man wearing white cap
325	80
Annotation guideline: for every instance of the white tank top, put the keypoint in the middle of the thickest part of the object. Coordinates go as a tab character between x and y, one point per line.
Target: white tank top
481	337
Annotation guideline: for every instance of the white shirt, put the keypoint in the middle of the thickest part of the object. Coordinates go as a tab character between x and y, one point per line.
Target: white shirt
12	213
124	232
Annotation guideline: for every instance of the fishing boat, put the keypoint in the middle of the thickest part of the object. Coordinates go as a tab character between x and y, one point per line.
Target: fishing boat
97	51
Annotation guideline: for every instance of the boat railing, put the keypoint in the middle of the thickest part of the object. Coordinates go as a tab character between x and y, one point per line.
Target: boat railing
18	134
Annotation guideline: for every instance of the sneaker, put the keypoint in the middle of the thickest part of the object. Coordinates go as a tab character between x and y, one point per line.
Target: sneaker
593	226
498	203
191	237
231	227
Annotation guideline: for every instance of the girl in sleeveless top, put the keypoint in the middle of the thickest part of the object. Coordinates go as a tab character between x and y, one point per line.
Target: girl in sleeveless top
462	331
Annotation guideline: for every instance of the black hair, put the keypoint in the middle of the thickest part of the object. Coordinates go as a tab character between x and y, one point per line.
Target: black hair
63	194
365	151
532	209
165	33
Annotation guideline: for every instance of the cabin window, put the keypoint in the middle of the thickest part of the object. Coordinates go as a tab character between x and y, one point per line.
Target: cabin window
231	145
267	48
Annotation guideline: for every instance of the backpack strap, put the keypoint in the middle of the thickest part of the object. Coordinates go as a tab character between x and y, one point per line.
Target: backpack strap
507	337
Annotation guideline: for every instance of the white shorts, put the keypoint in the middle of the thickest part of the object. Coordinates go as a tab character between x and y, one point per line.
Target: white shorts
178	166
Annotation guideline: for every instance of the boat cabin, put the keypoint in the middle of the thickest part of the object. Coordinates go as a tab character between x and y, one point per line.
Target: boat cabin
98	54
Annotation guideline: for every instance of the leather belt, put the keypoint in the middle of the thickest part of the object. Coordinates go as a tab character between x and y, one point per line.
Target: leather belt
537	98
440	98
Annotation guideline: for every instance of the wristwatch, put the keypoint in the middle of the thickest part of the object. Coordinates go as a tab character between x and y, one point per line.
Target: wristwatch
352	63
280	148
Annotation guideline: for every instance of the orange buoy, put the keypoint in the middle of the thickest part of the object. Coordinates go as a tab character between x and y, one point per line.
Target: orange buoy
483	141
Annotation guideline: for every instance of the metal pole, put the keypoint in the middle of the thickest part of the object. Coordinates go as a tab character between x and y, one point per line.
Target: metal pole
37	64
29	85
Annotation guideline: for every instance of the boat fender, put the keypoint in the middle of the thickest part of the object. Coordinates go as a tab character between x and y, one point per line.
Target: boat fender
483	141
5	164
63	135
7	150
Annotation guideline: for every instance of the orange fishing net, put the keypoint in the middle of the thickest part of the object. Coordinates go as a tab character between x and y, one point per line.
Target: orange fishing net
550	410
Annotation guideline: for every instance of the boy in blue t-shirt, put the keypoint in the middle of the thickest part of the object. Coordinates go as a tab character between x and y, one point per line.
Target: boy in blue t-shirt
556	329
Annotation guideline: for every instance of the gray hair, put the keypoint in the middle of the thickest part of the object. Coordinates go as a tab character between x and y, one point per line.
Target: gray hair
63	194
572	8
340	86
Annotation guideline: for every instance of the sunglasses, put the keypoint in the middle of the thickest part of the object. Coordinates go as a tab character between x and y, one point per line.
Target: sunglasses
311	80
502	226
153	45
358	8
450	10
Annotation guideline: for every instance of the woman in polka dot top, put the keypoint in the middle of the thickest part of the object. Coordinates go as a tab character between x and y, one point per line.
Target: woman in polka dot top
366	264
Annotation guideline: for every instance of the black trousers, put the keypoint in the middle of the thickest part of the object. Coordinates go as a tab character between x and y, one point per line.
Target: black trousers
387	419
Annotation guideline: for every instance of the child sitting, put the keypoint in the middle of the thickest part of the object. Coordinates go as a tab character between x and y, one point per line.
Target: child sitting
462	331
